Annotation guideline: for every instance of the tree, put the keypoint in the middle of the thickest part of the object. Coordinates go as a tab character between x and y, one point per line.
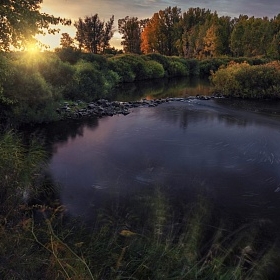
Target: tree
66	41
216	39
162	32
21	20
237	36
93	34
131	29
151	38
192	21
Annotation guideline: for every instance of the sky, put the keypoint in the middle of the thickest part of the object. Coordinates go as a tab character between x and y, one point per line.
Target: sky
75	9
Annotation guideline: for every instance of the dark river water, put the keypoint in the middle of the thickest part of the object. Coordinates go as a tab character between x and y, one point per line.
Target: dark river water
225	150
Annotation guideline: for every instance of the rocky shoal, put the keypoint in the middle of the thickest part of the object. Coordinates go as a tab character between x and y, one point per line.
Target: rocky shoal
103	107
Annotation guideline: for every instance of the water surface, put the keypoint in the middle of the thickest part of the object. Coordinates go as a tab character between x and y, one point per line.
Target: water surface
227	151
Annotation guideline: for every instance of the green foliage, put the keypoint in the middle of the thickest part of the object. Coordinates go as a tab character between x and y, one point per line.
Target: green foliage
178	67
100	61
137	65
206	66
55	72
194	67
69	55
243	80
162	59
88	83
154	69
31	87
5	72
173	66
123	69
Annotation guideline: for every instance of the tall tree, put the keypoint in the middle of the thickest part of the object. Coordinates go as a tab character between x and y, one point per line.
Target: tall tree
93	34
237	38
216	39
162	32
21	20
131	29
273	49
151	37
191	23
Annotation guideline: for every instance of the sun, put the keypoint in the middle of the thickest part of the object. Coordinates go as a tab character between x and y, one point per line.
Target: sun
32	48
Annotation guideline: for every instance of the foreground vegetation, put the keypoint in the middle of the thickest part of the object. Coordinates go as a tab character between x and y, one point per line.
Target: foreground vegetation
145	239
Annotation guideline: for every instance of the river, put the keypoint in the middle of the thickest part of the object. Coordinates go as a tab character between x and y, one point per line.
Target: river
228	151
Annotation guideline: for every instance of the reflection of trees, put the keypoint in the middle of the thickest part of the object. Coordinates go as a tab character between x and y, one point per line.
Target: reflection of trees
162	88
59	132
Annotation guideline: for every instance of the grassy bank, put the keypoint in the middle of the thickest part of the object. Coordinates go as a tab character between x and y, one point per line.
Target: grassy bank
145	239
32	85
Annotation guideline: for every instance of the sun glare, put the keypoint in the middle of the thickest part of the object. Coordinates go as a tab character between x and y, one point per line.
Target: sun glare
32	48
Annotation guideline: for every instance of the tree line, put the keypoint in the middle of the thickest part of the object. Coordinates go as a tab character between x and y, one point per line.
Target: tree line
196	33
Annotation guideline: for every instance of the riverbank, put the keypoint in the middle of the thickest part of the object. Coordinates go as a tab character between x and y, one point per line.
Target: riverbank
32	86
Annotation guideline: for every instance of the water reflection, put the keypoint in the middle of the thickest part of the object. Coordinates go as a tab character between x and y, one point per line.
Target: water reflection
230	155
162	88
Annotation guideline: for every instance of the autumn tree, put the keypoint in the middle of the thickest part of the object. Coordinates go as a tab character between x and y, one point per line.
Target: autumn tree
216	38
93	34
162	32
21	20
151	37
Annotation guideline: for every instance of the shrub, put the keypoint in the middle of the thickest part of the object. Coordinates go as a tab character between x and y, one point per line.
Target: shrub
123	69
177	67
155	69
69	55
88	83
243	80
56	72
100	61
26	84
163	60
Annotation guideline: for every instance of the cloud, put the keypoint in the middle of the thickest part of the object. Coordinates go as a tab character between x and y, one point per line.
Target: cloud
146	8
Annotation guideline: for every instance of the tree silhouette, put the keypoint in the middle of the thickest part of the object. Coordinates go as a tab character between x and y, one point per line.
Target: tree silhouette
93	34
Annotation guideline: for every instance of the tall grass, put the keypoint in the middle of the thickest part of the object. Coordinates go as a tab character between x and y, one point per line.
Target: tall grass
146	240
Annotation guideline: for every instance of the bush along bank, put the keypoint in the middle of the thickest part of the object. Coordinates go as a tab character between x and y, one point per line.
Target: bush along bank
248	81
